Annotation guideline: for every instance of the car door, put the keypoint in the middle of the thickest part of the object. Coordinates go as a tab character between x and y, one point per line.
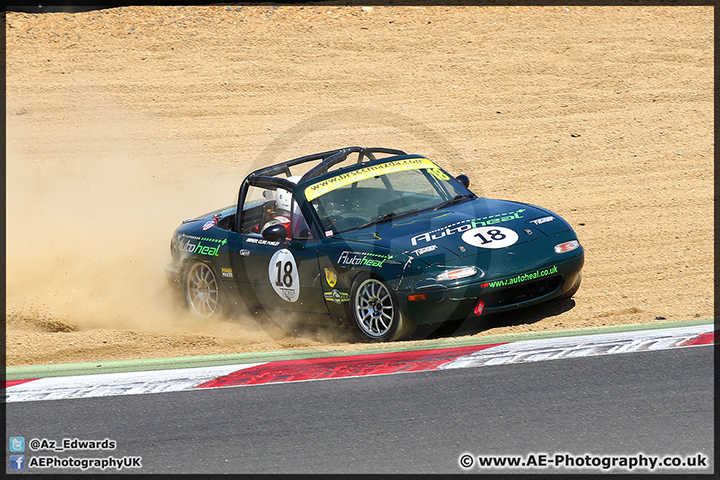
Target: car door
277	276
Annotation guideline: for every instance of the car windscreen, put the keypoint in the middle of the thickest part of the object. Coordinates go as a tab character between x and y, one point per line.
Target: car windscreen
381	192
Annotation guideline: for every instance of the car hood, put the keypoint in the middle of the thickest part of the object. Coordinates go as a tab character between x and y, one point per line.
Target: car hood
441	236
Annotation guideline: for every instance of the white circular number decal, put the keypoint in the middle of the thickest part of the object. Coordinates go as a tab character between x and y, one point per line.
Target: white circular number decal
490	237
284	275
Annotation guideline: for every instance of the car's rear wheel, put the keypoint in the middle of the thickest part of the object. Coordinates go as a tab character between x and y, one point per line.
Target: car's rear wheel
376	311
202	290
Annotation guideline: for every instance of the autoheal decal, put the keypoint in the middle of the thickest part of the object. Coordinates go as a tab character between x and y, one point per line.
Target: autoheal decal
490	237
366	259
465	225
521	278
193	244
328	185
283	274
337	296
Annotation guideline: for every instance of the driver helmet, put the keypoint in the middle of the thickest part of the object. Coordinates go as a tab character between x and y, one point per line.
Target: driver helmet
284	198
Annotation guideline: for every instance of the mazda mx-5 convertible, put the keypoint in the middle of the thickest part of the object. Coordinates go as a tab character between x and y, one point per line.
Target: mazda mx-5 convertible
372	238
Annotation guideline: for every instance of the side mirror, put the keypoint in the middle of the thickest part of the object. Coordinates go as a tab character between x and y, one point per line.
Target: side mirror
275	233
464	180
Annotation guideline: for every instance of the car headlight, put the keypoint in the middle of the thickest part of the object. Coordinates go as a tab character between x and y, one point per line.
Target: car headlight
456	274
567	246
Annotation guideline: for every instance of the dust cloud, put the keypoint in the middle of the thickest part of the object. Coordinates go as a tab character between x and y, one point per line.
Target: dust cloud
88	237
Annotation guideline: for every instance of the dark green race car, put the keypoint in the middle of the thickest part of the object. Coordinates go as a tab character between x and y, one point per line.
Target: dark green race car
375	238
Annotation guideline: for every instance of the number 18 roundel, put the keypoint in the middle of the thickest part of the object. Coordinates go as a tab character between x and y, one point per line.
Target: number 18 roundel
284	275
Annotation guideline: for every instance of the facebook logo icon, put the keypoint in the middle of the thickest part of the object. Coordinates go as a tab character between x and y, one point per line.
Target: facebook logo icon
17	462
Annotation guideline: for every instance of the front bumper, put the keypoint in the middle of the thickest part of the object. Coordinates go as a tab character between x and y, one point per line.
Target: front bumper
528	288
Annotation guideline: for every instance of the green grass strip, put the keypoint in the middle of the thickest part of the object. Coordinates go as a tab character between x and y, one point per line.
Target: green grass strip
148	364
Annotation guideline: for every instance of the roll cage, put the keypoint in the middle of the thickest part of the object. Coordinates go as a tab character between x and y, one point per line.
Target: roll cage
267	176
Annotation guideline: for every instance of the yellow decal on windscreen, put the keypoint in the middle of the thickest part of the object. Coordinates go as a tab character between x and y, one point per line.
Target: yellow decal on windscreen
328	185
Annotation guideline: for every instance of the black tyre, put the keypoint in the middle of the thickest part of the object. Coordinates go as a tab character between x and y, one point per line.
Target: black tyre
202	290
376	312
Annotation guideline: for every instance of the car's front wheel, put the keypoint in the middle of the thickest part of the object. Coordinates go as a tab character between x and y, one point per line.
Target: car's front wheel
202	290
376	311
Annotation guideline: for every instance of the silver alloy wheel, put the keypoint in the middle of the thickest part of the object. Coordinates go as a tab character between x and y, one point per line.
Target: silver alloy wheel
374	308
202	290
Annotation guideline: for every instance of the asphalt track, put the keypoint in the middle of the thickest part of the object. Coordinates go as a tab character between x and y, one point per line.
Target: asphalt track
655	403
